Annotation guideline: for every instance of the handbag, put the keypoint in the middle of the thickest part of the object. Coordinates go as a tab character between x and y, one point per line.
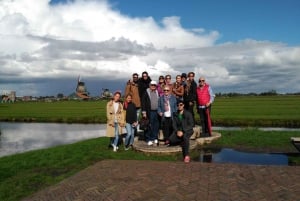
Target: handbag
144	124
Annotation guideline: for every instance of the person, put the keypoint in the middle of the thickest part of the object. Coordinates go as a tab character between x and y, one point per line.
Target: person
149	110
178	89
161	85
168	81
167	105
133	89
189	95
115	119
183	123
131	120
143	84
205	98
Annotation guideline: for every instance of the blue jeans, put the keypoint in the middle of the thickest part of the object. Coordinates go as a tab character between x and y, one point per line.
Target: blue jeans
116	140
152	133
130	135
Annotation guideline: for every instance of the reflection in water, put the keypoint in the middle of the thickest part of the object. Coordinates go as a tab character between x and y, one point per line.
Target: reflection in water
21	137
226	155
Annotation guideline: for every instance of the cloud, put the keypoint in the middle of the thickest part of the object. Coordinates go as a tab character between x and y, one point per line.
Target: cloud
45	47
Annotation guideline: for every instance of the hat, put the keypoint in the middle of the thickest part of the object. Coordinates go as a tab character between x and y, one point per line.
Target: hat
183	75
153	82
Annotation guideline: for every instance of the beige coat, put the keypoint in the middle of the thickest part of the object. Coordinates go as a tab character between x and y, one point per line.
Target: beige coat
110	115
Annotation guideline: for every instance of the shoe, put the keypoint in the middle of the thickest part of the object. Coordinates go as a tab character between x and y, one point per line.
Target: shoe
115	148
150	143
167	143
155	141
127	148
187	159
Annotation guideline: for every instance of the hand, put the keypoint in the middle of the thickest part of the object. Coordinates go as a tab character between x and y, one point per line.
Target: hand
160	114
179	133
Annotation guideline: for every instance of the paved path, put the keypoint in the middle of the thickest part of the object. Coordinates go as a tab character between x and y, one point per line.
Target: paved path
171	181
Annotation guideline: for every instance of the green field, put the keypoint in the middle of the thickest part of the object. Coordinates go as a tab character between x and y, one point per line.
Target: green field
245	111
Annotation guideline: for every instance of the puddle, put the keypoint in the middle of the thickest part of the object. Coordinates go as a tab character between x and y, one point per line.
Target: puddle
226	155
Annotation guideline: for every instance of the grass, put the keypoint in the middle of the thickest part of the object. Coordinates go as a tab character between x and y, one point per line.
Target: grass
254	111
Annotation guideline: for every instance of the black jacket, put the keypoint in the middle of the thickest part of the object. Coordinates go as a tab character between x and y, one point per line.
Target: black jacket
131	116
187	123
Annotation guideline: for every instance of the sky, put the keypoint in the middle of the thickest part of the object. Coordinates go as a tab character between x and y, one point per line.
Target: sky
240	46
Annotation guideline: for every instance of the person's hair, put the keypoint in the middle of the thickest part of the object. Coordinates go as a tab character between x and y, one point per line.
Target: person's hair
191	73
135	74
117	92
128	95
145	72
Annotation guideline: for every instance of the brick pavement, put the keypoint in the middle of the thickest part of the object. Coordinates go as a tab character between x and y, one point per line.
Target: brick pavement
170	181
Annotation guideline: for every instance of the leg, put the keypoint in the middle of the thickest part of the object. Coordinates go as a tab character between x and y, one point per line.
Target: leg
128	135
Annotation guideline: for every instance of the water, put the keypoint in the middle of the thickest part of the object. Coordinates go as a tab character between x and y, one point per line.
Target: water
225	155
21	137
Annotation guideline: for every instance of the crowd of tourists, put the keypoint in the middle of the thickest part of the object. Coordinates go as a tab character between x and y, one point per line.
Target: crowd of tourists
151	105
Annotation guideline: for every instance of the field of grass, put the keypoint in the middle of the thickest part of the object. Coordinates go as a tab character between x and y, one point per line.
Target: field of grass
257	111
254	111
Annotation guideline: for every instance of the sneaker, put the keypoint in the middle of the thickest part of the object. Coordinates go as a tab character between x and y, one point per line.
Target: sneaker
167	143
187	159
150	143
115	148
155	141
127	148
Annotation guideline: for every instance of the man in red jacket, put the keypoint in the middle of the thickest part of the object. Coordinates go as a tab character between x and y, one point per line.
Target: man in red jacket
205	98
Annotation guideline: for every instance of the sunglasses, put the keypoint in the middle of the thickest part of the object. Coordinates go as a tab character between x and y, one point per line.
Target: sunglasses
135	77
153	85
201	80
166	90
180	104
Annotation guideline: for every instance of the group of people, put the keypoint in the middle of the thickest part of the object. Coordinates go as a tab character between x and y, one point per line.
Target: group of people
167	106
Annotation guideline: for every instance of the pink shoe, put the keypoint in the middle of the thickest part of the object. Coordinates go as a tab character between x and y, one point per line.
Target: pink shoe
187	159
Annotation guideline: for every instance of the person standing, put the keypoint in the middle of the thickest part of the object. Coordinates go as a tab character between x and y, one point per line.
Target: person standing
149	110
115	119
131	120
143	84
189	95
183	123
205	98
178	89
161	85
133	89
167	105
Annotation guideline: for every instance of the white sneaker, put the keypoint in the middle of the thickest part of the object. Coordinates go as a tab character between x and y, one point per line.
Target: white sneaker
155	141
150	143
115	148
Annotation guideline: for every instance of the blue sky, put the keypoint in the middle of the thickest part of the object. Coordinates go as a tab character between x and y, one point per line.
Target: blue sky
252	44
274	20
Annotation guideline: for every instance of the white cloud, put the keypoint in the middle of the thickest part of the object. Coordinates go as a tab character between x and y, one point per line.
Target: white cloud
41	43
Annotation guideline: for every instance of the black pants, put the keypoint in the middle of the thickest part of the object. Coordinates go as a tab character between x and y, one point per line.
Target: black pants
204	121
184	141
167	127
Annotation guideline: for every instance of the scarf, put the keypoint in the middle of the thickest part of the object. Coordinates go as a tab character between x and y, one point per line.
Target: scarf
166	102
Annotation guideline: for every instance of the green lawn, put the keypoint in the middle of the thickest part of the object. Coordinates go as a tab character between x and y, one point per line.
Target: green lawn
254	111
